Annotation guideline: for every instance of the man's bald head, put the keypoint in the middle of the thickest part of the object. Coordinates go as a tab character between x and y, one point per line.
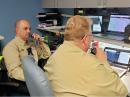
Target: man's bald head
18	22
22	28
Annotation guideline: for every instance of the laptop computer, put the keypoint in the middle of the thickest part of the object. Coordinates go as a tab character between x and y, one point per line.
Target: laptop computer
119	59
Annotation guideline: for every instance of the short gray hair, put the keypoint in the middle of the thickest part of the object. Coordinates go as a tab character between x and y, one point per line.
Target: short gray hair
76	27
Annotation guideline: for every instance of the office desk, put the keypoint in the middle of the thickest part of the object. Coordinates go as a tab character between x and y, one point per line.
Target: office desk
97	37
111	41
126	80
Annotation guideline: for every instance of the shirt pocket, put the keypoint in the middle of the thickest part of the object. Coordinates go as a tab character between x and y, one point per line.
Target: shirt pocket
22	52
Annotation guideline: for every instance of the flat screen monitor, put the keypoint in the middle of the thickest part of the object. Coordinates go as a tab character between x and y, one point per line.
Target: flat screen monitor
97	22
118	23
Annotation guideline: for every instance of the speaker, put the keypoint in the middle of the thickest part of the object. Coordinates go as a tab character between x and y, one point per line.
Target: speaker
127	34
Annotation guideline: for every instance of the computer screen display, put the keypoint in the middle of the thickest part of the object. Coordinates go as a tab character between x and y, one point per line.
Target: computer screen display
118	23
112	55
97	22
124	57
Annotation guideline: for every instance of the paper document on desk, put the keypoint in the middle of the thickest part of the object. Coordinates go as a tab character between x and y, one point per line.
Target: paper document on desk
119	70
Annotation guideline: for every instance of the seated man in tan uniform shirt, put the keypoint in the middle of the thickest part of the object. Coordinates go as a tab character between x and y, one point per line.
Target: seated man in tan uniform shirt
74	72
17	48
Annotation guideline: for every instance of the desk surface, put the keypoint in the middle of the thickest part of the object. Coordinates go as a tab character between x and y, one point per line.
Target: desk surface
126	80
1	37
111	41
96	37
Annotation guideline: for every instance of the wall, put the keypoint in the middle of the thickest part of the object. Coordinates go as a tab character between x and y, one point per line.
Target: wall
11	10
69	11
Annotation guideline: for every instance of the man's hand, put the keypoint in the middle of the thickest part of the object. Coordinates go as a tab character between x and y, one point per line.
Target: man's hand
100	54
36	37
58	33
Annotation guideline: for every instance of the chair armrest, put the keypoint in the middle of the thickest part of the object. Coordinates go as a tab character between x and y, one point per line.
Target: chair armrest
9	84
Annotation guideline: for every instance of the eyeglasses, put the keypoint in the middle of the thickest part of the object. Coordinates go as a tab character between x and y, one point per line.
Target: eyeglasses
89	35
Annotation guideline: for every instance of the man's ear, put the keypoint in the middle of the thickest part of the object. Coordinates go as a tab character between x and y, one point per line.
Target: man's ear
84	40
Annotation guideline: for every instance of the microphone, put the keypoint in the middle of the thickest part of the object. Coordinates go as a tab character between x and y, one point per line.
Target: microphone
32	41
32	35
35	39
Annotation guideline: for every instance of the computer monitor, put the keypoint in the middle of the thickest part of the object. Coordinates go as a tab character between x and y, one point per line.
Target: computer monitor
97	22
118	23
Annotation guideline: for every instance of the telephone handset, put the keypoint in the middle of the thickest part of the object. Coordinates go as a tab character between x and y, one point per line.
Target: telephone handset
93	48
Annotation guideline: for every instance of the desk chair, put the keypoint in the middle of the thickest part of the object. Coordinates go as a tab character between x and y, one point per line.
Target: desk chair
36	80
7	86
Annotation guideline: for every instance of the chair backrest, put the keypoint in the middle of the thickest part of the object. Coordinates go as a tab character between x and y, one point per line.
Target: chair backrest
6	86
3	70
36	80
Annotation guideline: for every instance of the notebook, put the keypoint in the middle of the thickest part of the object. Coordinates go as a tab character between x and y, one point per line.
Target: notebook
119	59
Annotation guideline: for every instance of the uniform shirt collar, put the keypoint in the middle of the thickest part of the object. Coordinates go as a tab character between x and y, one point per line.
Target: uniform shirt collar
72	46
22	42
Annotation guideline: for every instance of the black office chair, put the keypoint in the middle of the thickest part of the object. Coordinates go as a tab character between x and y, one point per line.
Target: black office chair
36	80
7	86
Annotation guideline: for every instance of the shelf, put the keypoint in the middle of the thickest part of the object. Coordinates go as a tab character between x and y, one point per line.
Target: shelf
45	14
53	29
40	16
1	37
66	15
